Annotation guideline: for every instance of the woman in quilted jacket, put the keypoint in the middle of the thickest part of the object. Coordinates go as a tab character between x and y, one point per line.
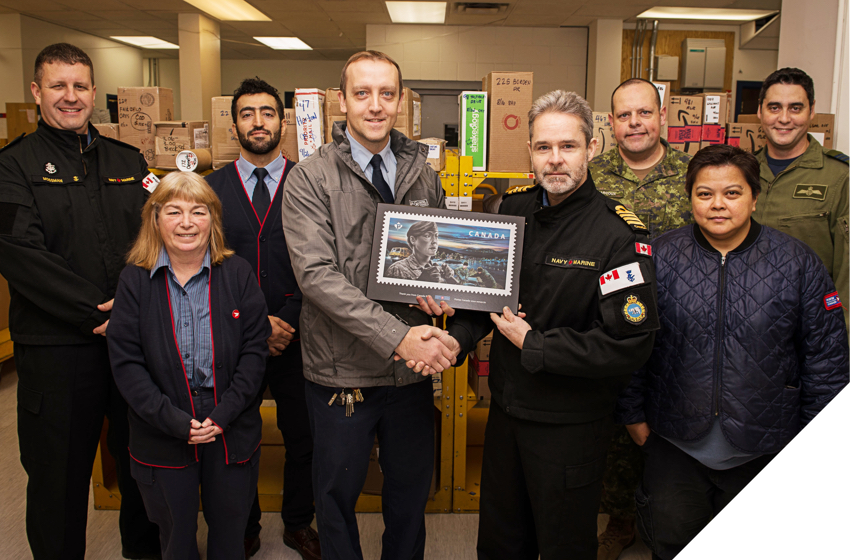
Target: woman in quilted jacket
752	346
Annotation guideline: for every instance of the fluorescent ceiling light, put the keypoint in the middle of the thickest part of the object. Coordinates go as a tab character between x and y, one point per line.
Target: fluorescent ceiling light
229	10
417	12
285	43
715	14
147	42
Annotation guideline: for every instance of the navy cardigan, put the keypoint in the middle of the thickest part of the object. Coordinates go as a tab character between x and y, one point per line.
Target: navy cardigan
149	372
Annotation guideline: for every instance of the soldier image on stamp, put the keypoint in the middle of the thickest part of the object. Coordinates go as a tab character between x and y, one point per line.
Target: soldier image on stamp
470	260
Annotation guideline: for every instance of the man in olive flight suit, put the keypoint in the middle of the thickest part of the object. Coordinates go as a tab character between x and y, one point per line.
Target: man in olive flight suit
803	185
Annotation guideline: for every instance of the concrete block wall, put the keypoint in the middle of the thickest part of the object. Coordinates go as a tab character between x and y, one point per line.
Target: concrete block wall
557	56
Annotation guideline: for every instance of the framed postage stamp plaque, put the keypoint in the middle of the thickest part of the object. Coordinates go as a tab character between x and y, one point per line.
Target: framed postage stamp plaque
469	260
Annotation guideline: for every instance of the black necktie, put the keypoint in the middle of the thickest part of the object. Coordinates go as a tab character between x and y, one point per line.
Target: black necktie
379	181
261	198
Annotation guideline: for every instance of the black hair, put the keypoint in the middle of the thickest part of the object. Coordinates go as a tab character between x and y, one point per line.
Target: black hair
720	155
789	77
64	53
633	81
253	86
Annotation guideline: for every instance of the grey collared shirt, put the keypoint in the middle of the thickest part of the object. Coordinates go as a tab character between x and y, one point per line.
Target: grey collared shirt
363	157
246	173
190	316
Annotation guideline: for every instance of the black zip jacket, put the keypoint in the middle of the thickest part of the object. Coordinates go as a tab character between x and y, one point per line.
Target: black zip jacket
582	348
68	215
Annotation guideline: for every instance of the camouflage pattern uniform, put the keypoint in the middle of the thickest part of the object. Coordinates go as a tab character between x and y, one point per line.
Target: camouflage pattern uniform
662	205
659	200
809	201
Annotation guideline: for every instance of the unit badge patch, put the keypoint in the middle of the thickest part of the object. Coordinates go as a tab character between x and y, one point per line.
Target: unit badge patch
814	192
831	301
634	311
50	168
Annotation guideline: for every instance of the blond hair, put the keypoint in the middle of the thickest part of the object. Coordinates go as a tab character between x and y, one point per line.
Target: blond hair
178	185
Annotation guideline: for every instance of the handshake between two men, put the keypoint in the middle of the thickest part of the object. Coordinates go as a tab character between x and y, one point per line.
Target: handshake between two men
428	349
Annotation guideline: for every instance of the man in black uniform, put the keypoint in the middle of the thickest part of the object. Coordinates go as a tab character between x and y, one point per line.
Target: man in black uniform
70	203
251	190
590	298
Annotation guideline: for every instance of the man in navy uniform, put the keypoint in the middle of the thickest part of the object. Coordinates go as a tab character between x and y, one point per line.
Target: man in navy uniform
250	190
70	206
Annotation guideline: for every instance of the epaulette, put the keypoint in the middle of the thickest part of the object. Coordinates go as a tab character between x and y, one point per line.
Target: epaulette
835	154
13	142
120	143
520	189
629	217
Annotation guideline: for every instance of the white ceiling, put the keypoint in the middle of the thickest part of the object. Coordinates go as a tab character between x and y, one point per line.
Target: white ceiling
335	29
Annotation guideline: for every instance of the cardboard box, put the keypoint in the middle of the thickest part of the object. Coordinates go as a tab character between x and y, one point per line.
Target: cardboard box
603	132
822	127
473	127
138	109
409	120
747	136
332	103
109	130
684	123
436	153
482	350
309	120
481	368
21	118
224	142
437	381
715	117
288	142
664	92
172	137
510	97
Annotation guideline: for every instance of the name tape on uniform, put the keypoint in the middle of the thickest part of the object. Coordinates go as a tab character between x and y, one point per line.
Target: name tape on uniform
621	278
150	182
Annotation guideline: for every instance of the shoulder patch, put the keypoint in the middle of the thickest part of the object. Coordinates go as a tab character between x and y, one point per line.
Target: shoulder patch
621	278
630	218
835	154
13	142
520	189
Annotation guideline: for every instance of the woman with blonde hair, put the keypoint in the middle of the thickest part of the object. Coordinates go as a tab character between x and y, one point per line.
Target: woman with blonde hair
187	343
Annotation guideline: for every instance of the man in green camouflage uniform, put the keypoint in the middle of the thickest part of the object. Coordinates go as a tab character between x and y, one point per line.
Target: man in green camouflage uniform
804	186
648	177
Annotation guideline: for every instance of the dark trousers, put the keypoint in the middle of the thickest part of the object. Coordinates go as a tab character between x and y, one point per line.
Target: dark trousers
403	420
285	379
63	394
171	497
540	488
679	496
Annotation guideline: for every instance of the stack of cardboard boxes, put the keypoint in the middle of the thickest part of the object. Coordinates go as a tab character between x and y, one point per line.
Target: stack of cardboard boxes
479	369
509	97
173	137
138	109
684	122
225	144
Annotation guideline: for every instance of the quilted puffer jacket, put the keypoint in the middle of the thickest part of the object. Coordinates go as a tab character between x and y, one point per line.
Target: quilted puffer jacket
756	338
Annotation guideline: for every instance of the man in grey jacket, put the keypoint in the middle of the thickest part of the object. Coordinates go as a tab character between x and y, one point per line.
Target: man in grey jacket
355	349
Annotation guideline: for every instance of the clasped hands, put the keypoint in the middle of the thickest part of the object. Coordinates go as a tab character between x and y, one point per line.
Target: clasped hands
427	349
203	432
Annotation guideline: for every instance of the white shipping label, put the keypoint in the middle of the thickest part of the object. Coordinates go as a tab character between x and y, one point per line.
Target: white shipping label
451	203
465	203
202	137
433	152
712	109
417	118
662	91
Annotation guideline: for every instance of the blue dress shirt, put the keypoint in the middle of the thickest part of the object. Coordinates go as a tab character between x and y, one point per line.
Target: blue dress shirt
363	157
246	172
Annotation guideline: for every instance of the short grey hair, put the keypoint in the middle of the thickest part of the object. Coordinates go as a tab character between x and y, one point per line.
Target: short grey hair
566	102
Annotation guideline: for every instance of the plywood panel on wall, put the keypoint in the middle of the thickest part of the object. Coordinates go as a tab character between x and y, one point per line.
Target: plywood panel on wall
670	42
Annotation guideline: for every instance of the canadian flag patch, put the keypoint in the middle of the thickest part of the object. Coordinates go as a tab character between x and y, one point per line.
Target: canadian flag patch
831	301
643	249
621	278
150	182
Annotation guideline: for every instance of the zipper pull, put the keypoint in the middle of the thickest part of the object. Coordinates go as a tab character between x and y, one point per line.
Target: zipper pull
723	260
